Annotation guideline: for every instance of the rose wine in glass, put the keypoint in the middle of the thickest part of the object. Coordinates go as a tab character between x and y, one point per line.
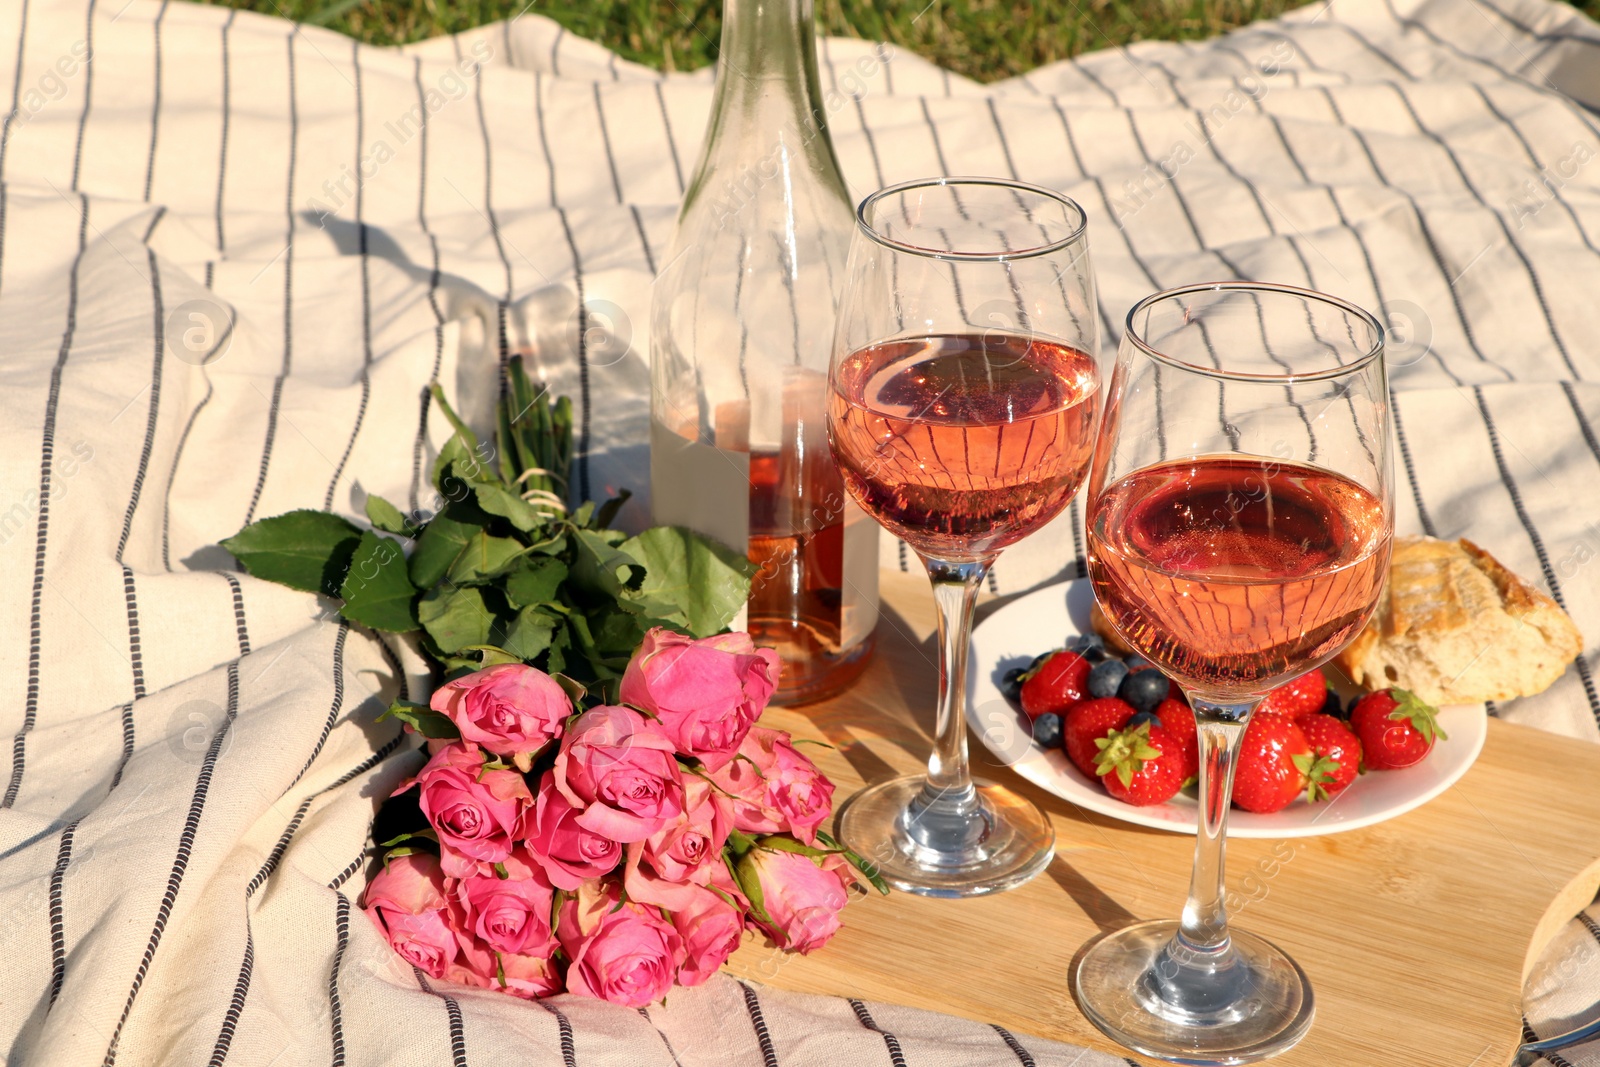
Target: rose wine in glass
963	401
1238	532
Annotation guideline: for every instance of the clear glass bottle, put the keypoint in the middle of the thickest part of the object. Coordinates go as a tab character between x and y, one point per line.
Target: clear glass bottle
741	331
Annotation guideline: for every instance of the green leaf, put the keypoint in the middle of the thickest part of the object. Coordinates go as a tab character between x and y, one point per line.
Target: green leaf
484	557
306	550
530	633
423	719
377	591
455	617
867	868
441	542
705	582
750	885
601	570
496	499
785	843
534	580
388	518
574	689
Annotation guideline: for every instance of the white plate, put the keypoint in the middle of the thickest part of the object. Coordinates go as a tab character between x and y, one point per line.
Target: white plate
1044	619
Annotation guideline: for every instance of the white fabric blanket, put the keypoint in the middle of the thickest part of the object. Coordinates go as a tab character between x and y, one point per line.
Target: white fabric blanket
196	759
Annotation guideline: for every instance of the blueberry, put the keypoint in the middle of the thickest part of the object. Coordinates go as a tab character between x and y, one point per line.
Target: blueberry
1038	661
1096	654
1047	730
1140	719
1011	684
1144	689
1082	643
1105	678
1331	706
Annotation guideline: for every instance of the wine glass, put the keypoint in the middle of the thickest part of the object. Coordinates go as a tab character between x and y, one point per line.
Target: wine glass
1239	526
962	405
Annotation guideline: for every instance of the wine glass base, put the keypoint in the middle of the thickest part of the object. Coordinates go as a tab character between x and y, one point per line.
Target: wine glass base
989	841
1268	1011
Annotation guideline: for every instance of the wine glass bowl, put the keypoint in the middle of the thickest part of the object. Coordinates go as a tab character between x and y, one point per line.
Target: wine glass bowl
1238	535
963	402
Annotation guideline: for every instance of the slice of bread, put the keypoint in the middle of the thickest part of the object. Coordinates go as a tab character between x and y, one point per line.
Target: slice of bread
1456	627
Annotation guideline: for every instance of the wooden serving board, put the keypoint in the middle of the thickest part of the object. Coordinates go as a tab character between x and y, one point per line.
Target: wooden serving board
1416	933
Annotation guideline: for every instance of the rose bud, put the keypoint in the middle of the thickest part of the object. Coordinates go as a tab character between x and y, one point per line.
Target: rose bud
690	846
568	852
476	813
626	955
407	902
802	897
711	929
511	710
510	915
618	769
705	693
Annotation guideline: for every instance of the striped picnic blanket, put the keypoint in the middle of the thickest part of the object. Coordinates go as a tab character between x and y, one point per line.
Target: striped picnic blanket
233	251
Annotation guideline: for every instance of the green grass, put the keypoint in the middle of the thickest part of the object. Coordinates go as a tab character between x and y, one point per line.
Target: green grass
983	39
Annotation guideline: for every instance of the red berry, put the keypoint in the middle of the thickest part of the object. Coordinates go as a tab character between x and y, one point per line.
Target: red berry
1396	729
1337	757
1058	684
1141	766
1177	719
1268	775
1302	696
1087	722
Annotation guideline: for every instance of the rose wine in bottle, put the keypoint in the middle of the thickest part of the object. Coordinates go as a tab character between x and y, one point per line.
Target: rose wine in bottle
1237	572
742	321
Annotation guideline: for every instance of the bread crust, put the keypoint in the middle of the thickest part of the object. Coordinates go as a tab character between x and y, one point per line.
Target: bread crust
1455	626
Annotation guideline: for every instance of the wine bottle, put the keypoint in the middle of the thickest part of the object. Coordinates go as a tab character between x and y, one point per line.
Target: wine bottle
741	329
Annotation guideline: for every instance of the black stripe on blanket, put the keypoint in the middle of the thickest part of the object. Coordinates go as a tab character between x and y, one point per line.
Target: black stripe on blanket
88	95
569	1050
16	85
30	712
892	1043
155	107
758	1023
180	862
58	929
1023	1056
288	289
341	926
366	285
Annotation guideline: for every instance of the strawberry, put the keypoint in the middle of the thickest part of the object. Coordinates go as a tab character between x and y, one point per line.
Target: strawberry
1178	721
1301	696
1396	729
1269	775
1058	683
1087	722
1337	755
1140	766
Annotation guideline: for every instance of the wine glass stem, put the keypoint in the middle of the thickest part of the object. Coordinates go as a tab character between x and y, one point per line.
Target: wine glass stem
1220	729
955	591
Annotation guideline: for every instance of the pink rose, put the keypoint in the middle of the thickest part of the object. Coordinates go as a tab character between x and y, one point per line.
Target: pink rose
511	710
510	915
800	794
569	853
477	813
802	898
521	975
690	846
407	902
618	769
626	955
711	929
772	788
705	693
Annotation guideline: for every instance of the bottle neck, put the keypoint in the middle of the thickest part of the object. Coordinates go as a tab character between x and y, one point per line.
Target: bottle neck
767	112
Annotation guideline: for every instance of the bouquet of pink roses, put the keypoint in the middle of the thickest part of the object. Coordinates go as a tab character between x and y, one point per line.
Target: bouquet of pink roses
613	851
